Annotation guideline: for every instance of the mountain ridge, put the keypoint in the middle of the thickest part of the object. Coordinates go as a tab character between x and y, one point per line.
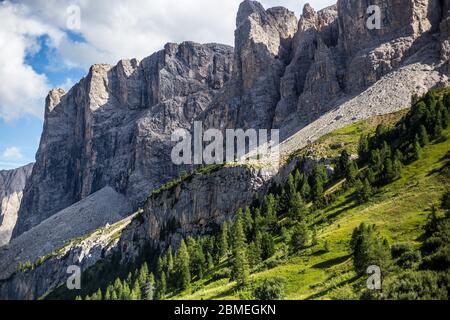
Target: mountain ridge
305	77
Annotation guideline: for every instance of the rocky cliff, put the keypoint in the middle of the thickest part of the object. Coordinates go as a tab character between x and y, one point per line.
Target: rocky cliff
12	184
305	77
114	126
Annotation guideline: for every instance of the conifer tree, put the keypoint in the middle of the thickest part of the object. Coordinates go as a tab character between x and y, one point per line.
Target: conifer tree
248	221
267	246
363	148
239	239
317	187
136	291
297	208
363	190
343	164
299	237
210	261
270	215
223	241
351	172
161	287
148	288
183	262
241	269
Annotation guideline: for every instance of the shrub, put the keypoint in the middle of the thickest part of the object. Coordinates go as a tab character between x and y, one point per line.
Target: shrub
400	248
409	258
421	285
270	289
440	260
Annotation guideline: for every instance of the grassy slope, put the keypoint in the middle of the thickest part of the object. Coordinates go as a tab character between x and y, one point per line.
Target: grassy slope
399	210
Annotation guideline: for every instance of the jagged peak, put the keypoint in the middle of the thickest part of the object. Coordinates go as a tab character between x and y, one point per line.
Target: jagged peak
248	8
308	11
53	99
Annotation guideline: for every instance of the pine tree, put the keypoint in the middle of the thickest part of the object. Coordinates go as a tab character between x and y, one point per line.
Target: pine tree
136	291
258	220
241	269
388	173
255	250
299	237
370	176
305	189
376	161
317	187
199	262
267	246
385	151
183	261
143	273
343	164
126	292
270	215
363	190
290	187
435	125
397	168
160	266
169	260
223	241
108	292
352	172
248	221
239	238
363	149
114	296
148	288
369	249
161	287
297	208
210	261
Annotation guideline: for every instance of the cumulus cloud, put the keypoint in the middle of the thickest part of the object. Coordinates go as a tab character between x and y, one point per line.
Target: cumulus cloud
22	90
12	153
110	30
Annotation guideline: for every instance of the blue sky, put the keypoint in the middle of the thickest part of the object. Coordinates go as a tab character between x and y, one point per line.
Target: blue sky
41	49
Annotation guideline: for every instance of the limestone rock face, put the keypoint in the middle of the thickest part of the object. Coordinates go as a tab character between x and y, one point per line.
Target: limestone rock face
306	77
445	35
12	184
114	126
263	40
192	207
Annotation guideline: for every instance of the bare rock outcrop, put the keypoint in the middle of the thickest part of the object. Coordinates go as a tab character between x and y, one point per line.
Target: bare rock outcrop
193	207
12	184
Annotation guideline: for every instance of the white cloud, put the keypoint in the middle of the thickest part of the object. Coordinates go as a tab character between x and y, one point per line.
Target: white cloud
116	29
12	153
22	90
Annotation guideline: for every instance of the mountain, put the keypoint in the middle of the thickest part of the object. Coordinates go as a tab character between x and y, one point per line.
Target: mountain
12	184
112	131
